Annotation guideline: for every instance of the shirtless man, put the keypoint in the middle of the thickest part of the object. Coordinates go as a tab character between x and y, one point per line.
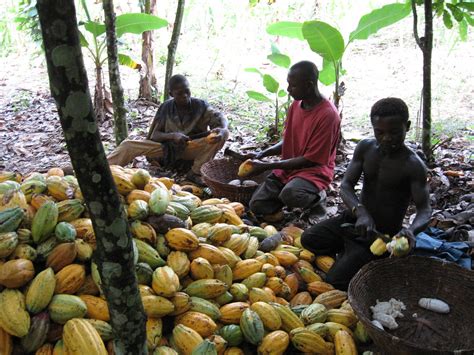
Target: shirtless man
393	177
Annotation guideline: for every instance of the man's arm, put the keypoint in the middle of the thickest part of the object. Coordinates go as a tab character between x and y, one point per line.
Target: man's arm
365	224
219	125
270	151
287	164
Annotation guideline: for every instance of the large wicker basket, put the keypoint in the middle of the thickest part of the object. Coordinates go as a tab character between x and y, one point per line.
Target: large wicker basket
408	280
217	173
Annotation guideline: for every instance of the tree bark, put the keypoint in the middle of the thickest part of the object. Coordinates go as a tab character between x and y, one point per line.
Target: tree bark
114	253
148	87
427	53
120	113
99	107
172	46
426	45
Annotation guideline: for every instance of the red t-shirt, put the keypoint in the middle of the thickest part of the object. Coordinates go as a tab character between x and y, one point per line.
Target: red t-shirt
312	134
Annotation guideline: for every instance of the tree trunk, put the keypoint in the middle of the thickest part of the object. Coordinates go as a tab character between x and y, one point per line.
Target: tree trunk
148	87
120	113
173	45
114	253
99	107
427	52
426	45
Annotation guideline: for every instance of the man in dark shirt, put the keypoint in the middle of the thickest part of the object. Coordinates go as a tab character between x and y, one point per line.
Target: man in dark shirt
393	176
176	123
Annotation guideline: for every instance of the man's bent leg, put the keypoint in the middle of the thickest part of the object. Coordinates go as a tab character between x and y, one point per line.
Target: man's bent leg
355	256
201	151
299	193
128	150
265	199
325	238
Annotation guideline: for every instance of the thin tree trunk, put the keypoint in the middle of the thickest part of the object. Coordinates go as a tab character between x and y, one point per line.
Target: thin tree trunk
426	45
427	53
173	45
114	253
99	107
148	88
120	113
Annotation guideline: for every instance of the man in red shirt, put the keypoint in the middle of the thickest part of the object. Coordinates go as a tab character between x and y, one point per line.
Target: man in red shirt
308	149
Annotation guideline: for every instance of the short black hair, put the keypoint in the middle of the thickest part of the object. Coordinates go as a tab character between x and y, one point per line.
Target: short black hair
308	69
177	79
390	106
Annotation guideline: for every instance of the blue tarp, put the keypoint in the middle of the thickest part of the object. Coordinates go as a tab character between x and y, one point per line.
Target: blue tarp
431	243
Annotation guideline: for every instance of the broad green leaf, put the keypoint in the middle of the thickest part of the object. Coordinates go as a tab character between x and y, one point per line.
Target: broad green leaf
457	13
270	83
448	22
138	23
463	30
282	93
83	40
128	61
469	19
327	75
280	59
95	28
287	29
438	8
324	39
258	96
378	19
253	70
469	6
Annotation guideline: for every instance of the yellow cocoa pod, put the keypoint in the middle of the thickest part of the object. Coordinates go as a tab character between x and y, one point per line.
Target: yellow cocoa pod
285	258
186	339
80	337
324	262
182	239
97	307
209	252
200	322
246	268
269	316
274	343
179	262
157	306
165	282
154	331
342	316
331	299
232	312
201	269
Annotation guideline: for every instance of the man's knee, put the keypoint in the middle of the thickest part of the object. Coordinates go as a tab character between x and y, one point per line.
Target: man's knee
309	238
259	207
294	197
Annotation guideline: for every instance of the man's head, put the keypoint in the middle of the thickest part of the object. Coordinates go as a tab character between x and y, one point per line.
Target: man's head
389	118
303	80
179	90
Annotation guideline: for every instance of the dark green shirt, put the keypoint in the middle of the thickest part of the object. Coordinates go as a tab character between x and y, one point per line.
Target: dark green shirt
201	118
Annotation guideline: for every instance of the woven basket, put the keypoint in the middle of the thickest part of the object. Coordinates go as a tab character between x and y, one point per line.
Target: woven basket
217	173
408	280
